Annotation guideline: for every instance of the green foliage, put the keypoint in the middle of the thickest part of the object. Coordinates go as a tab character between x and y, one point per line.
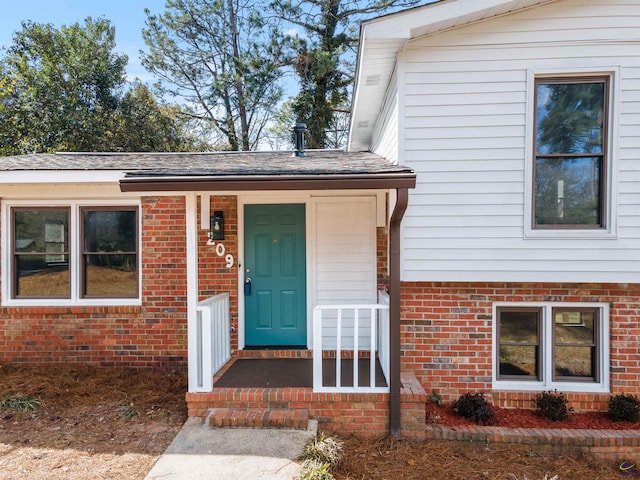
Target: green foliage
624	408
65	86
325	450
128	411
65	90
143	125
314	470
20	403
553	405
476	407
319	456
436	398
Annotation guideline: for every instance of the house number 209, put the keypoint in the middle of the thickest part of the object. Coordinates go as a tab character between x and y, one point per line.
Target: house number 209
220	251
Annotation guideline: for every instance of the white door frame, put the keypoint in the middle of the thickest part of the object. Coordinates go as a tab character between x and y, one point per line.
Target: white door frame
257	198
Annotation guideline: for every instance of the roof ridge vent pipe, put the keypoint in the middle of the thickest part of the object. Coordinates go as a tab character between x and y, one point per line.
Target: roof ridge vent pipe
298	131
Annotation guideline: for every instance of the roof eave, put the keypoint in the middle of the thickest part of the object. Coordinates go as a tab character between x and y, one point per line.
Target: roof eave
391	33
261	183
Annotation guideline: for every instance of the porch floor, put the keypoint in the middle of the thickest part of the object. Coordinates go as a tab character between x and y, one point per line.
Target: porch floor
293	372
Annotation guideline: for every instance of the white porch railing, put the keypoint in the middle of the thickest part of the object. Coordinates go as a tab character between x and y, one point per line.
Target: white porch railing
213	340
384	353
354	332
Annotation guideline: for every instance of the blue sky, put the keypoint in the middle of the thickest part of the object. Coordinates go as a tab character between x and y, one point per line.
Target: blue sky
126	15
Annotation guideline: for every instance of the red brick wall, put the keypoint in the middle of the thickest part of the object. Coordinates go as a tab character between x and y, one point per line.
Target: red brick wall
153	335
382	255
447	328
213	276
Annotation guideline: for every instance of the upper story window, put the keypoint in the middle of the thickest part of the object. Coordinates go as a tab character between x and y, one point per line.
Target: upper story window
72	253
570	164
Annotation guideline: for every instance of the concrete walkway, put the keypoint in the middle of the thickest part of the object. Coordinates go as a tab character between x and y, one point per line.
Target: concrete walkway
199	453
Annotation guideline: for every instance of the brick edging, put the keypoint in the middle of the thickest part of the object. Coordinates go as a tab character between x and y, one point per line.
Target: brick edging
603	444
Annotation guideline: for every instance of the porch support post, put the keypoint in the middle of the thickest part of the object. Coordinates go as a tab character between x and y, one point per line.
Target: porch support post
192	288
394	310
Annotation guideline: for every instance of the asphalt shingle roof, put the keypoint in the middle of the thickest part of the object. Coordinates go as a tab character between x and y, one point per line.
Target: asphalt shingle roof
317	162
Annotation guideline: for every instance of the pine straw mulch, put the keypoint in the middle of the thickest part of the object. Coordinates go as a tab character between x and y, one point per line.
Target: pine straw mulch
391	459
93	423
109	423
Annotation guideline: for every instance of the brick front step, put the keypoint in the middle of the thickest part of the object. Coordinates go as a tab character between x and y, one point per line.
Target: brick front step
365	414
257	418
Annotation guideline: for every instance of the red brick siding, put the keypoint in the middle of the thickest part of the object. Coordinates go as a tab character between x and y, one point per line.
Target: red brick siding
382	255
447	327
213	275
153	335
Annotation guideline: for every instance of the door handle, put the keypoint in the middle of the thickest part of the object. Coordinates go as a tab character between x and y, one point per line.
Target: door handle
247	287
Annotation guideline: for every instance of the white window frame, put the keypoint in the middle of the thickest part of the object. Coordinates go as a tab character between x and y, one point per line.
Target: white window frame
546	344
611	157
75	298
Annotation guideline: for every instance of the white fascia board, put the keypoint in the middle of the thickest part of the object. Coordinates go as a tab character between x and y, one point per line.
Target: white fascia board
390	33
16	177
406	24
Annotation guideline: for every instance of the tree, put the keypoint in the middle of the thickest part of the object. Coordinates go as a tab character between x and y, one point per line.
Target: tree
145	126
280	132
65	90
63	87
223	59
325	52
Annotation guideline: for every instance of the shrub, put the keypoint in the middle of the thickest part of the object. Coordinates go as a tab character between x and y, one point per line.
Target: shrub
314	470
553	405
319	457
475	407
624	408
325	450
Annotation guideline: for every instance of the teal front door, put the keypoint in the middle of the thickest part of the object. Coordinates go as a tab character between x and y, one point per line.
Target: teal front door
275	276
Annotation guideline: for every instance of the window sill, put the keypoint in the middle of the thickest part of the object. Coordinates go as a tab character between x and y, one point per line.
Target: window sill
98	302
560	386
570	234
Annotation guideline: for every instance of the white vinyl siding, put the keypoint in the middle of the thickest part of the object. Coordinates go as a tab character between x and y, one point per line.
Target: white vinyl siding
345	260
386	130
467	133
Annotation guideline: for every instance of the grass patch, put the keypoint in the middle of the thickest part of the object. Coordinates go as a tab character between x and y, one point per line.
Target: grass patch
20	403
128	411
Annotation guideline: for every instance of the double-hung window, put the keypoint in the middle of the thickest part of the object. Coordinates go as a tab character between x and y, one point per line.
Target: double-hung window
570	152
551	345
72	253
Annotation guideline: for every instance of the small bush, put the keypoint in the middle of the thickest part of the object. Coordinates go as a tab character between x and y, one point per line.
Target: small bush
624	408
312	469
20	403
475	407
319	456
553	405
324	450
